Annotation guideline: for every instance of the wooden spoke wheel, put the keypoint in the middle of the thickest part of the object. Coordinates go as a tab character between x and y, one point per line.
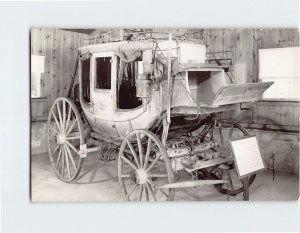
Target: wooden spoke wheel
65	135
143	165
222	132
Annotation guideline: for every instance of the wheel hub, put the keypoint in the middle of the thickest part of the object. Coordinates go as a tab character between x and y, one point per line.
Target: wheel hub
141	176
61	138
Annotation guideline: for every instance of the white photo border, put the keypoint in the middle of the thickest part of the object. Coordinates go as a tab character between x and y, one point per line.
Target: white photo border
21	215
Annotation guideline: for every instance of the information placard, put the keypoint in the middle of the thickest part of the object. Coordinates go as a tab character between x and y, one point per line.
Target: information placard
248	159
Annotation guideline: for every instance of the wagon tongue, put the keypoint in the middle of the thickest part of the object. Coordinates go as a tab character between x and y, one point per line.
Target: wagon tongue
191	184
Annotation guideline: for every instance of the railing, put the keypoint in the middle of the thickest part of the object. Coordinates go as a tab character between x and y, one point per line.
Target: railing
115	35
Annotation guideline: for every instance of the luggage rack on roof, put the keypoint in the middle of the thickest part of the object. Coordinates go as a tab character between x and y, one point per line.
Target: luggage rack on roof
114	35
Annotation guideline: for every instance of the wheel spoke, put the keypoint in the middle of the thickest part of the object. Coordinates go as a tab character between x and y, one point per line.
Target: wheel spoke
67	162
157	175
160	190
54	150
69	117
56	121
73	138
64	115
129	162
72	126
140	148
131	191
147	153
133	153
63	163
71	157
59	115
72	147
151	191
141	192
125	176
152	164
58	159
164	193
147	193
54	130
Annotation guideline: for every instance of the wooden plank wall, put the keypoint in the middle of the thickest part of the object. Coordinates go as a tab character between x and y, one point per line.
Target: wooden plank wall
37	109
60	50
243	45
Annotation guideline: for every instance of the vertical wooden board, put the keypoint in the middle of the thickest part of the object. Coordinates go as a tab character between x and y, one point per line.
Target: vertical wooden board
52	75
46	49
238	57
44	53
78	41
64	54
71	59
270	38
33	108
215	42
267	114
46	106
230	45
247	48
210	41
40	44
40	108
296	116
34	39
76	46
228	41
287	115
275	114
261	113
57	84
256	47
219	40
286	38
68	57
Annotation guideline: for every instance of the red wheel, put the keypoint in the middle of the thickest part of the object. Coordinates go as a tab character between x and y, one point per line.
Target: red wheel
65	135
144	165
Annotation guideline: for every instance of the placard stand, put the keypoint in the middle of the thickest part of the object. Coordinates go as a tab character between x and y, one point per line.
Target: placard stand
248	160
246	189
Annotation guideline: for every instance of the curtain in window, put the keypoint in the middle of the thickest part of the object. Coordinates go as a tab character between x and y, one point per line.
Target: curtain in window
127	67
127	71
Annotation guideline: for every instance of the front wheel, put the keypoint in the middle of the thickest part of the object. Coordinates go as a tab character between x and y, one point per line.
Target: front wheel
65	135
143	166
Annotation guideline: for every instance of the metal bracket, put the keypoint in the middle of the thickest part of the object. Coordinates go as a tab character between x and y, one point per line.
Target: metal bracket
84	150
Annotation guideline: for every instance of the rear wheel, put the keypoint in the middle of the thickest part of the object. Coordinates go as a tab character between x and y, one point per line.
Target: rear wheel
65	135
143	165
222	132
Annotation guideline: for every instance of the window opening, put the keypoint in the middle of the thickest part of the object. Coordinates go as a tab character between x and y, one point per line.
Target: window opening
103	73
126	89
85	71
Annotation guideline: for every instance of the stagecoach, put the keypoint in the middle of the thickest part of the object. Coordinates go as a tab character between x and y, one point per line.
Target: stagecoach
156	100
